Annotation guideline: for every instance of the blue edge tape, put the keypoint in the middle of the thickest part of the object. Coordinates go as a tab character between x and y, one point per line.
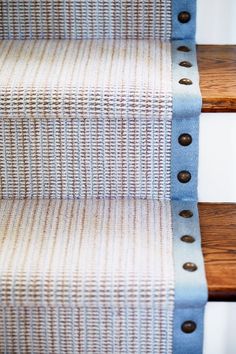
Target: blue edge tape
190	287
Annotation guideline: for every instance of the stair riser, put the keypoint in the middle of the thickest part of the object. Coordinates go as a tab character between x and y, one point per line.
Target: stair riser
85	19
74	158
96	330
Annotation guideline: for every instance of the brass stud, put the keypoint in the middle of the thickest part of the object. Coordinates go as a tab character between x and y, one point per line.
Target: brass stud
186	214
189	327
190	267
184	176
186	64
188	239
184	17
185	81
184	48
185	139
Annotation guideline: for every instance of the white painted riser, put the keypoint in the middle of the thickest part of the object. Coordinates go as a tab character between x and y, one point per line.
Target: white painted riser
217	159
220	328
217	183
216	22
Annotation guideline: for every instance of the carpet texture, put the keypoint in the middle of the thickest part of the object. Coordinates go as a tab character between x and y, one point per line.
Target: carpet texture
72	19
97	183
85	119
92	276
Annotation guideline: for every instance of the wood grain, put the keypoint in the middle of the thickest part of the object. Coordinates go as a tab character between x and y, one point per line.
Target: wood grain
218	229
217	67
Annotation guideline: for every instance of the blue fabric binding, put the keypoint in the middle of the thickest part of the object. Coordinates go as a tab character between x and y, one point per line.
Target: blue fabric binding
190	287
186	30
186	110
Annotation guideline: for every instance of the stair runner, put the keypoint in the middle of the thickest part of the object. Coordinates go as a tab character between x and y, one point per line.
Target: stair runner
100	248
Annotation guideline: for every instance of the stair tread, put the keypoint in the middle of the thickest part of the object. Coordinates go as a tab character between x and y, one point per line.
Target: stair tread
218	229
83	78
217	66
90	252
218	226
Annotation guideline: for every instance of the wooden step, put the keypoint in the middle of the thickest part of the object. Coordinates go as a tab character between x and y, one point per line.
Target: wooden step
218	229
217	66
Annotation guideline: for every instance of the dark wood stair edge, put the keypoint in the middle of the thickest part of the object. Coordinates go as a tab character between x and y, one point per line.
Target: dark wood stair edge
222	296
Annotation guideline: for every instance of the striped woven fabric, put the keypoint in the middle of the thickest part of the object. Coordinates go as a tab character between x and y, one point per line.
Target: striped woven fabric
78	79
90	276
95	96
83	19
85	118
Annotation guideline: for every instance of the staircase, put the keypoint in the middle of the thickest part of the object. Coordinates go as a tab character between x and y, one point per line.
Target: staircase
100	246
82	102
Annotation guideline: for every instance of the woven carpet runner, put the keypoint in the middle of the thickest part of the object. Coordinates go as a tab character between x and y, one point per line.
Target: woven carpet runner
100	248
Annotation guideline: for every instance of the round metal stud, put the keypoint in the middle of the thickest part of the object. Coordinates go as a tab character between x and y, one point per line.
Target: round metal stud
185	139
189	327
185	81
190	267
184	176
184	17
183	48
188	239
186	214
186	64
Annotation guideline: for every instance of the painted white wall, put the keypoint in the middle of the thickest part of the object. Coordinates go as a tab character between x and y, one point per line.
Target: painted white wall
216	21
217	158
220	328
